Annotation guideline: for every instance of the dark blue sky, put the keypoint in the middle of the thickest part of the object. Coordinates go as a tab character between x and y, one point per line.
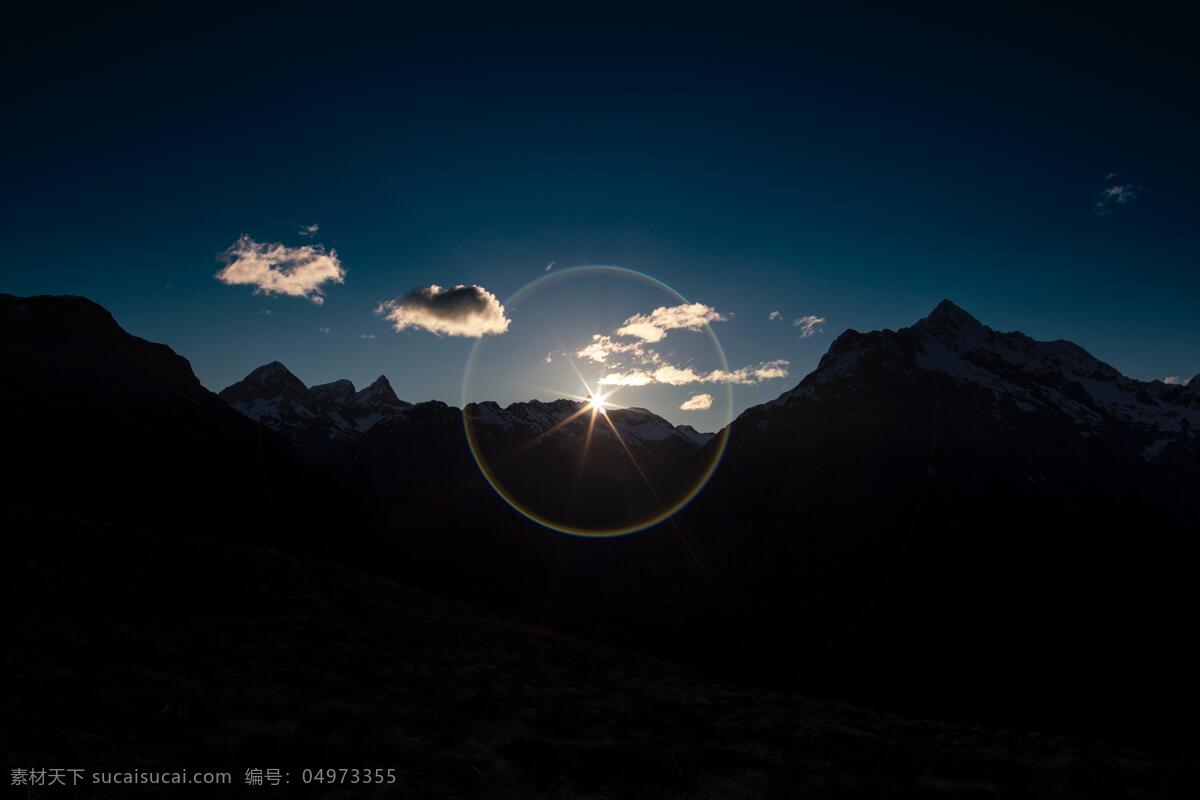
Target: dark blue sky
858	168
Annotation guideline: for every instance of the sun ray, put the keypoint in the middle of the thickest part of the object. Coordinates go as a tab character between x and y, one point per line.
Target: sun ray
556	426
587	443
636	465
570	395
582	379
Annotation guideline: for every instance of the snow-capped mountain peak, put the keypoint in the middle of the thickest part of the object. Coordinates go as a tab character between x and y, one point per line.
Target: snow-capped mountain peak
948	315
1013	372
270	379
319	420
339	391
379	393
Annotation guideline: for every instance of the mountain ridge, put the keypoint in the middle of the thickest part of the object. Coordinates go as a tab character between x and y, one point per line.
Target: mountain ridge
319	420
1056	377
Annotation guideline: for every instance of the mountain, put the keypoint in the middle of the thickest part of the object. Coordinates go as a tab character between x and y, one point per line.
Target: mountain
396	449
320	420
1025	383
533	450
114	426
941	520
950	517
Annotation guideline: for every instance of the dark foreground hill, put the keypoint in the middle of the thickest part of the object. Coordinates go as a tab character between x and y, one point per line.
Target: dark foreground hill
129	649
113	426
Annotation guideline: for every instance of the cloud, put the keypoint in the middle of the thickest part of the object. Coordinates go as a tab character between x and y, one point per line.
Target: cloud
809	325
635	377
653	327
277	269
549	266
548	358
766	371
458	311
1173	380
675	376
1113	193
325	330
697	402
634	362
604	346
681	376
309	230
774	315
366	336
266	312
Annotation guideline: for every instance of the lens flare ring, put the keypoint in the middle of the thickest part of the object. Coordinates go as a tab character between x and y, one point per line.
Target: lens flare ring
597	405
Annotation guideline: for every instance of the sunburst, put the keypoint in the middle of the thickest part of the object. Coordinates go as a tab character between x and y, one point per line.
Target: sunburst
598	403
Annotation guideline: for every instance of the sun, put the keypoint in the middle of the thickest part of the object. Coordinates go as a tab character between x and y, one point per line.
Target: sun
596	404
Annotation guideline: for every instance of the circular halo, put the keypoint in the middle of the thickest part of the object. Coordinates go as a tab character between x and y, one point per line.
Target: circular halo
666	509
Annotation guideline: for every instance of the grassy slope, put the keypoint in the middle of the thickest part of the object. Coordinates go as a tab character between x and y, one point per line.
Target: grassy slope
127	648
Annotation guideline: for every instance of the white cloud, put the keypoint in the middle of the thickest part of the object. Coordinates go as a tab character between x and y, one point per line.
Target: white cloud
458	311
548	358
266	312
325	330
809	325
648	366
774	315
675	376
1173	380
653	327
634	377
278	269
604	346
309	230
697	402
681	376
366	336
1113	193
766	371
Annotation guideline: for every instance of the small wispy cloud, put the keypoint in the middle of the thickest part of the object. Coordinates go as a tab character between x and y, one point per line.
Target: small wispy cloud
309	230
325	330
274	268
549	266
774	315
681	376
635	377
1113	193
266	312
653	327
548	358
458	311
366	336
809	325
766	371
697	402
1173	380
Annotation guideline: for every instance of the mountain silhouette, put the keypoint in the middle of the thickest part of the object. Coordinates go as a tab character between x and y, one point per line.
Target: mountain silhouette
111	425
942	519
952	517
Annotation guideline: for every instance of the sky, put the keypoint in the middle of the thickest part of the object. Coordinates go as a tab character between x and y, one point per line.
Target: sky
844	171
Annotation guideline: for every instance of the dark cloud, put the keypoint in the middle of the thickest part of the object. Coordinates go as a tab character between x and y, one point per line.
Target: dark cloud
457	311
